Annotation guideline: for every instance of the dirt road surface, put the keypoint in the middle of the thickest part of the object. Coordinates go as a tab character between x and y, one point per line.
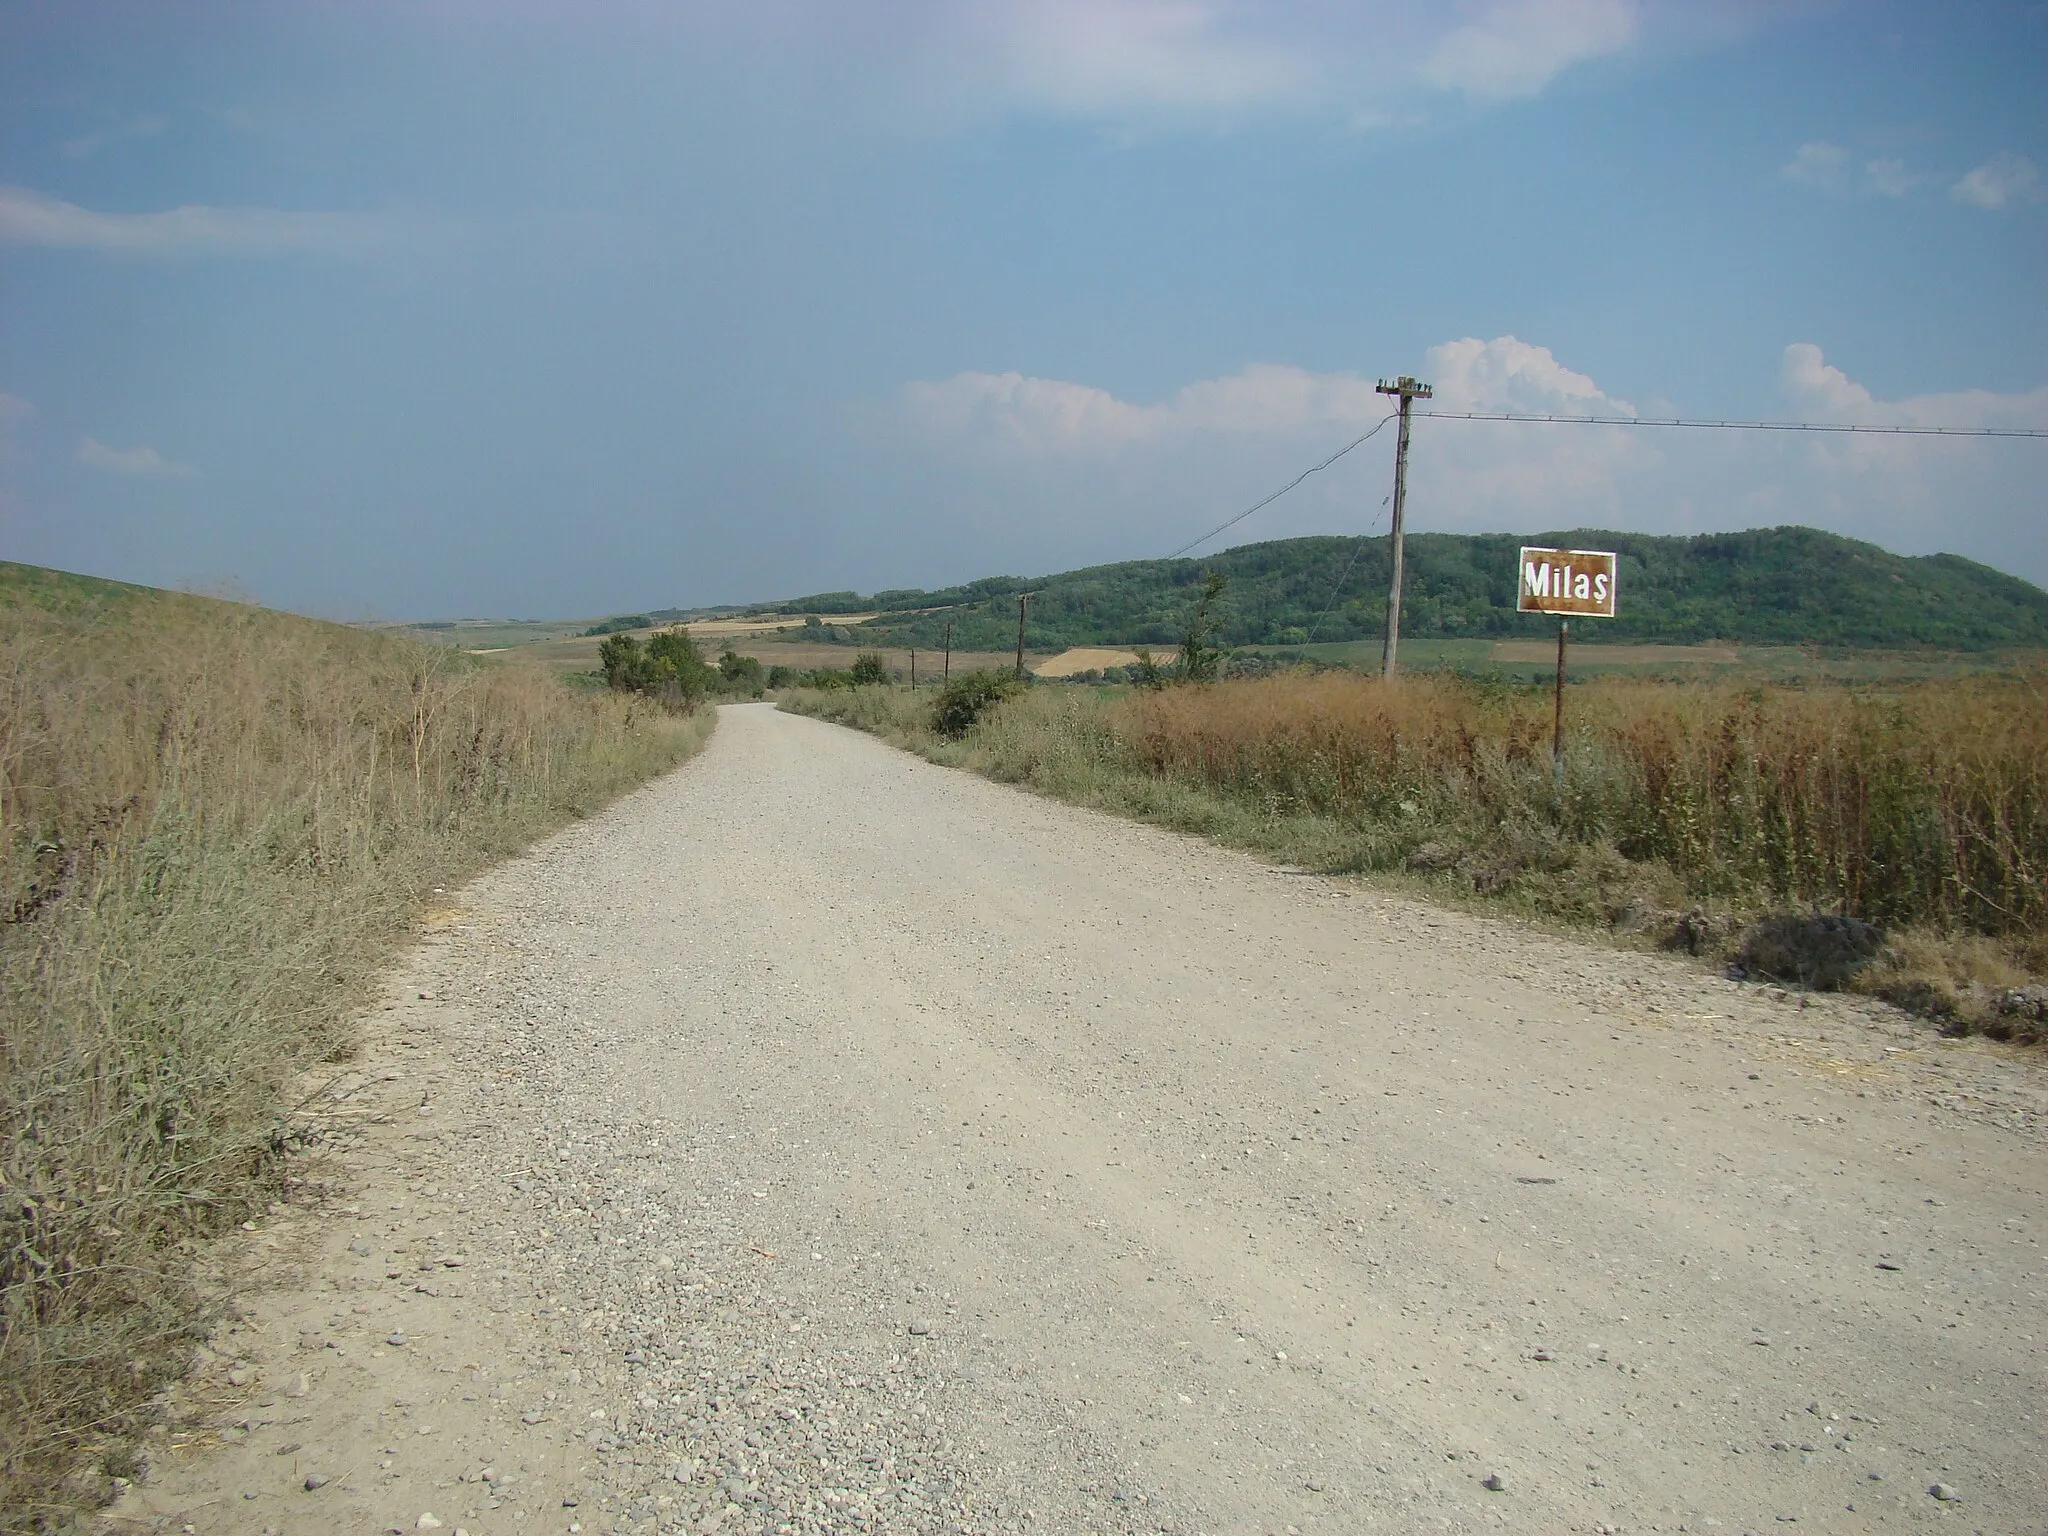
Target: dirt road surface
817	1142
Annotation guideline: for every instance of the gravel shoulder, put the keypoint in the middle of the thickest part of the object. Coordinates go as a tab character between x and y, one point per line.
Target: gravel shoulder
823	1140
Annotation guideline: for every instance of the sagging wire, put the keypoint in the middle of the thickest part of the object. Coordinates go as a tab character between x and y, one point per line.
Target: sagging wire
1740	426
1290	485
1337	587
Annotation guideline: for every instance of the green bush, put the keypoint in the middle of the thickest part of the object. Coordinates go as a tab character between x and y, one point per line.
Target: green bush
742	675
868	669
968	697
668	668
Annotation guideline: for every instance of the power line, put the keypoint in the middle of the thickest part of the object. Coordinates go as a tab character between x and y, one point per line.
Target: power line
1589	421
1290	485
1742	426
1336	587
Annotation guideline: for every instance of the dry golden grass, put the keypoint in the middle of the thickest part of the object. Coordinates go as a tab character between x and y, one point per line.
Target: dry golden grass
215	824
1920	805
1096	658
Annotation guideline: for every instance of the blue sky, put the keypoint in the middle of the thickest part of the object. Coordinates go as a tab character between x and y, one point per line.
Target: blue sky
525	308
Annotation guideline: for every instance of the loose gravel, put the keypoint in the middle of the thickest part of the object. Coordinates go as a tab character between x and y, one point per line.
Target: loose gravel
824	1141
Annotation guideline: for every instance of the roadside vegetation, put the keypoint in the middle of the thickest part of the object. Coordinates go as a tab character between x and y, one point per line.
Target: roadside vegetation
216	824
1893	840
670	669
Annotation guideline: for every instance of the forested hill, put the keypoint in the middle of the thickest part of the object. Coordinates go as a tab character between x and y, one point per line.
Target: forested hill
1783	586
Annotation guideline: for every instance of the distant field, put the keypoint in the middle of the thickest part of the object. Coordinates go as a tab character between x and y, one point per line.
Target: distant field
767	623
778	640
1095	658
488	634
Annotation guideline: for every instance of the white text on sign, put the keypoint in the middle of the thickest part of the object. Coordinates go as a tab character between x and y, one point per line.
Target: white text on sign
1570	581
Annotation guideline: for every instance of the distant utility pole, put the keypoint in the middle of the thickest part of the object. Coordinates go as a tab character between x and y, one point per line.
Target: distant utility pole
1410	390
1023	603
913	666
947	675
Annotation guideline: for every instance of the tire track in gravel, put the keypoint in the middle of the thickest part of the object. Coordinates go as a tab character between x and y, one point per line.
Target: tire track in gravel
858	1145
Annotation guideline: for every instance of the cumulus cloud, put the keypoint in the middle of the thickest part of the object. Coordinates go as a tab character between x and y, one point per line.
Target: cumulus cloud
1831	168
1096	55
1517	47
1016	413
135	462
1262	422
1108	477
1013	413
30	218
1889	177
1817	164
1359	62
1508	374
1820	388
2004	178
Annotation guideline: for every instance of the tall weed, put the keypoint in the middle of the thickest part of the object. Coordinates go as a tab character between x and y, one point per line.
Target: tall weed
215	823
1922	808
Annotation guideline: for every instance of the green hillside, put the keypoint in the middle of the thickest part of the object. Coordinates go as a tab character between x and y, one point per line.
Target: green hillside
36	586
1766	586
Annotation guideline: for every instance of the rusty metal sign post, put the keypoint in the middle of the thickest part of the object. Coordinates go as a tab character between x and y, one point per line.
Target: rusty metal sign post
1569	583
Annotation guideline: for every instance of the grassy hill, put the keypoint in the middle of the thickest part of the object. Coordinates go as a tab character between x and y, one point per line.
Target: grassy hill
216	822
61	592
1766	586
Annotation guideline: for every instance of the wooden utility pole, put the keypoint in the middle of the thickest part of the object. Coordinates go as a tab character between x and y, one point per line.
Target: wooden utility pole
1410	390
913	666
947	675
1023	603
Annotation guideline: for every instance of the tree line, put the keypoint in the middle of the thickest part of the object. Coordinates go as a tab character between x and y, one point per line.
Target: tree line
1784	586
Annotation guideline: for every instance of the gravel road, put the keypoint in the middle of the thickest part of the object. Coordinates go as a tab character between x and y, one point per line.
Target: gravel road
828	1141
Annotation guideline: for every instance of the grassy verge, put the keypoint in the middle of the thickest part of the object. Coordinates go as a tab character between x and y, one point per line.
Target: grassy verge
217	824
1699	816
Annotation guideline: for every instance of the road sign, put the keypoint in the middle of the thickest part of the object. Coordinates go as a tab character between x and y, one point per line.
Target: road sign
1577	582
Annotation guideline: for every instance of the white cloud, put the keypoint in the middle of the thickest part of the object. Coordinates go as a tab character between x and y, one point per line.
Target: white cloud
95	454
29	218
2004	178
1975	496
1830	167
1889	178
1508	374
1095	55
89	144
1102	477
1050	417
1356	62
1819	387
1818	164
1517	47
